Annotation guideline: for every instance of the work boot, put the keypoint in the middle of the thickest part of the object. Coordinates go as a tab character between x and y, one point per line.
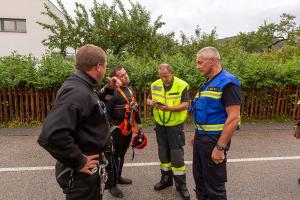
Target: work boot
116	192
165	181
125	181
184	192
180	183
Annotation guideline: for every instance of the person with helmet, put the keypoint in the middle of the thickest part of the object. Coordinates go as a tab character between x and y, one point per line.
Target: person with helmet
216	115
169	98
124	113
297	127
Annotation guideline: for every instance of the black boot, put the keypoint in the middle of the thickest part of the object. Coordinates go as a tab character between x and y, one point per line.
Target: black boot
125	181
116	192
180	182
165	181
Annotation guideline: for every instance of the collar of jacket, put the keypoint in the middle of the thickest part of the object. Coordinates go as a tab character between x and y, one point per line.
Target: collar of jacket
84	76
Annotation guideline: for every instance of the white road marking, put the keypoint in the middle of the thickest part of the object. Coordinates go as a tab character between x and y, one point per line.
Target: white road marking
236	160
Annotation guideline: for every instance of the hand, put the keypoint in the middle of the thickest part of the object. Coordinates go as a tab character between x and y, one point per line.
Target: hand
151	102
297	132
217	156
140	126
164	107
113	82
92	162
191	139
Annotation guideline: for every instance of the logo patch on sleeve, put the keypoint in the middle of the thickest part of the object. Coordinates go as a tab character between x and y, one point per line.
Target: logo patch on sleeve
213	88
156	88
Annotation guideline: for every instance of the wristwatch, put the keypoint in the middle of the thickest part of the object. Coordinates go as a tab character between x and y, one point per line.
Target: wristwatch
220	148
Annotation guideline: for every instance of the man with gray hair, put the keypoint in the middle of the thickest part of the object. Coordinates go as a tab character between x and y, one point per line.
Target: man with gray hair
169	98
216	115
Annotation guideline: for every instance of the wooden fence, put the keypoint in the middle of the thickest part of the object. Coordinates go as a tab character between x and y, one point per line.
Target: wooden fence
30	104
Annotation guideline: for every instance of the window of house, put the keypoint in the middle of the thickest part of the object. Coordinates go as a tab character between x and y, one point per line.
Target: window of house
13	25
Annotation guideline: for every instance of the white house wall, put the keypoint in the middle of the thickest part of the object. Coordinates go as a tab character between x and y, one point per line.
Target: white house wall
31	41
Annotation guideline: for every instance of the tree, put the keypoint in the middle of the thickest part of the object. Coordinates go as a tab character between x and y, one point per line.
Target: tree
62	33
191	45
269	35
114	28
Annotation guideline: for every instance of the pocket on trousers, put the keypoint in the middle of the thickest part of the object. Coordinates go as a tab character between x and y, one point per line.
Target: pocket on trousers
216	173
63	179
181	138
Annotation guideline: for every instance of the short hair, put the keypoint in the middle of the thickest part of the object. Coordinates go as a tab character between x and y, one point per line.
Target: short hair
210	52
114	70
167	67
89	56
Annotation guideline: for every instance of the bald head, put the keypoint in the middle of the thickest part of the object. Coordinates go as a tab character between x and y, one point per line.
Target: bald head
165	66
210	52
165	72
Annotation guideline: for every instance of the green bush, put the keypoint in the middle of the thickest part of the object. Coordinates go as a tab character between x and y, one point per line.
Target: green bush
18	71
254	70
53	70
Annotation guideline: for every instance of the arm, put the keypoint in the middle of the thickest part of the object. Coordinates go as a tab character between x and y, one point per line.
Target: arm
57	136
231	98
230	125
184	103
106	93
150	101
180	107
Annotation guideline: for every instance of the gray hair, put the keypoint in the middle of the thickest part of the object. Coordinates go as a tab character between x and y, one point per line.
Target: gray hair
210	52
166	66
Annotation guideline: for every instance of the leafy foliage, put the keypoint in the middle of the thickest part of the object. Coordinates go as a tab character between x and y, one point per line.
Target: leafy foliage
18	71
267	57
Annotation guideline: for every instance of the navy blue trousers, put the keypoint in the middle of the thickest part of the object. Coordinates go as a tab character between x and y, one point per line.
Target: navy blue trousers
209	177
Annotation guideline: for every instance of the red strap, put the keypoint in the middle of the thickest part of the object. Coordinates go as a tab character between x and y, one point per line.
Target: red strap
127	110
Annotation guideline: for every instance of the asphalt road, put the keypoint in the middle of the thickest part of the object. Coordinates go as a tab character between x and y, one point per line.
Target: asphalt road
270	174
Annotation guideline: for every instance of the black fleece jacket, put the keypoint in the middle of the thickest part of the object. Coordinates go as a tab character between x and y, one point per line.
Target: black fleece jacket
77	124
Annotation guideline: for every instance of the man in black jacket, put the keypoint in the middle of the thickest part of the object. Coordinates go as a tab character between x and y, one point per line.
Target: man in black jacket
76	131
123	112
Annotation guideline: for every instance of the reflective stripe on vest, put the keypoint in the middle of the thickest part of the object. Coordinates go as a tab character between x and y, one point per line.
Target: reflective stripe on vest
208	112
211	94
210	127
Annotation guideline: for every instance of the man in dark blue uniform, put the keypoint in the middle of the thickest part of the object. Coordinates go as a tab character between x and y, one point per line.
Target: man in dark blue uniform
216	114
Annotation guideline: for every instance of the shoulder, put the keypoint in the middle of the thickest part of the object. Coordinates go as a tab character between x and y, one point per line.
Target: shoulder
74	93
230	78
157	82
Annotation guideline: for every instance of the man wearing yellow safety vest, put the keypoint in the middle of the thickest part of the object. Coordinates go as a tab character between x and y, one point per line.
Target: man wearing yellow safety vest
216	115
297	127
169	98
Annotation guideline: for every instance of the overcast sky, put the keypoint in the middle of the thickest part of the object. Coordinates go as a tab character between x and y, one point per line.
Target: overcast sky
229	16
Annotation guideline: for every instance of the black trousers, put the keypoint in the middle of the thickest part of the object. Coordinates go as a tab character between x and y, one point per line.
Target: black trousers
121	144
170	140
78	185
209	177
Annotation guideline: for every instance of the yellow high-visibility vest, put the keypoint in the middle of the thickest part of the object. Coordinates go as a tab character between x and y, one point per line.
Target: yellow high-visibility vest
170	98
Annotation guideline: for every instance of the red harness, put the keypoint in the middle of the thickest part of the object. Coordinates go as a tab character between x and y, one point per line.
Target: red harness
129	113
